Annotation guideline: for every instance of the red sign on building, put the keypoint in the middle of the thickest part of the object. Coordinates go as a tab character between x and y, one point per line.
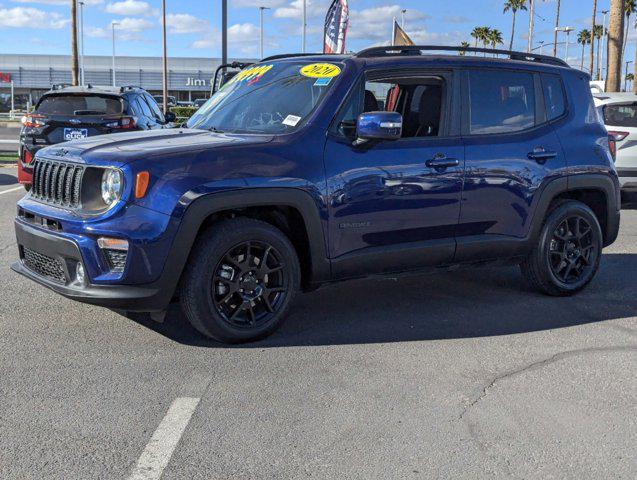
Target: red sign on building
5	77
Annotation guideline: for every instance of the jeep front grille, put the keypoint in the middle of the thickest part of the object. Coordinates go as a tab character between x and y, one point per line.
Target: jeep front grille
57	183
44	266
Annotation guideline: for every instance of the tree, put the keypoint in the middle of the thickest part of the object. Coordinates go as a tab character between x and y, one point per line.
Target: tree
464	45
557	24
75	66
598	34
615	42
475	34
630	7
583	38
514	6
495	38
592	59
481	34
629	79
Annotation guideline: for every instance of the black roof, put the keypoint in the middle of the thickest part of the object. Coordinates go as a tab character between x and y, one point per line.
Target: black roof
97	89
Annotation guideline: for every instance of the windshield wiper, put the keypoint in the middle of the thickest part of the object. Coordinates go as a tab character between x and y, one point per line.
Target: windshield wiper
215	129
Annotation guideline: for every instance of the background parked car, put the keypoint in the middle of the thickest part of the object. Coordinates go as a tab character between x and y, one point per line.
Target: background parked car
619	111
69	113
171	101
199	102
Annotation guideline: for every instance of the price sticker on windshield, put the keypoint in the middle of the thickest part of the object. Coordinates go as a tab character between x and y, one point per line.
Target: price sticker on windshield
320	70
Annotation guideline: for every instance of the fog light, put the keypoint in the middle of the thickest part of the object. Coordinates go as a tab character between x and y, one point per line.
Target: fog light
80	276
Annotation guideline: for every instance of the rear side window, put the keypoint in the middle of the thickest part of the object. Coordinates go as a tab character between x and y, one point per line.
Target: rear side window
72	105
553	96
621	115
501	102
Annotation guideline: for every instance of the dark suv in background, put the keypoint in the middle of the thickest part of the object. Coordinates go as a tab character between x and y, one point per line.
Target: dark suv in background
305	170
71	113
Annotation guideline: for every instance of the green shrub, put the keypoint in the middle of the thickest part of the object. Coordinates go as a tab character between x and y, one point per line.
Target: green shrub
183	113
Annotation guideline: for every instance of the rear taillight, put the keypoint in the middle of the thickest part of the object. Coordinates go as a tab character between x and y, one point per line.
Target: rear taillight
33	120
618	136
612	146
124	123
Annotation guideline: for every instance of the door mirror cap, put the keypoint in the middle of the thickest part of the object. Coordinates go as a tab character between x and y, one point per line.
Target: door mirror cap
379	126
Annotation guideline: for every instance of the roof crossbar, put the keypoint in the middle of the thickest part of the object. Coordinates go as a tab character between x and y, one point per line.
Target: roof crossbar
418	49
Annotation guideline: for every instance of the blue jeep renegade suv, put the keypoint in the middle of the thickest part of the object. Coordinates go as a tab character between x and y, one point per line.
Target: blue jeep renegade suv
304	170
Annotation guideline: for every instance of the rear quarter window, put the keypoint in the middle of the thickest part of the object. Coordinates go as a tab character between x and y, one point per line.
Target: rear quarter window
620	115
554	100
72	105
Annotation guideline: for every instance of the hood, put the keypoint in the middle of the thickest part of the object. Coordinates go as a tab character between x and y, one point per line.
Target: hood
123	148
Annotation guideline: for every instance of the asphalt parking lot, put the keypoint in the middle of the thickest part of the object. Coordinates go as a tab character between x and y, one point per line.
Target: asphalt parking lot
463	375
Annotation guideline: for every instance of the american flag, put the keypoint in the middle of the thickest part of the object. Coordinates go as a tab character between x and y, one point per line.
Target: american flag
336	24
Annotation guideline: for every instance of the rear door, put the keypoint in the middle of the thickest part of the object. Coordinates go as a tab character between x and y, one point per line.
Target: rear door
511	151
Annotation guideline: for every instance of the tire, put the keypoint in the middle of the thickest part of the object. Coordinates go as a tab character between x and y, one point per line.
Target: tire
228	293
561	264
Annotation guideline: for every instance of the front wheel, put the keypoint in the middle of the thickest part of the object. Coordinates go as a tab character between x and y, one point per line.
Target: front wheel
240	280
568	252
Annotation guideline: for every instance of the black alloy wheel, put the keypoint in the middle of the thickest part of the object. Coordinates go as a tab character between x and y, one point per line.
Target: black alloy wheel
249	285
572	252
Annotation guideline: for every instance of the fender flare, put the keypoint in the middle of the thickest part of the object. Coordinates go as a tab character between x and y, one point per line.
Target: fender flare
585	181
198	209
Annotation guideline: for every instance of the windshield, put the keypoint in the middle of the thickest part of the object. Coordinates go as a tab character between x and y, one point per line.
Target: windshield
80	105
267	98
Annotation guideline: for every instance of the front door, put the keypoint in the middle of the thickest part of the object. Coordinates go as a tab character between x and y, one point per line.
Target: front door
394	205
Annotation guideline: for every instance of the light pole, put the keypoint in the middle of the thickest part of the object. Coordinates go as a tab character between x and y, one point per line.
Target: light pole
531	19
604	39
567	31
626	76
402	18
164	58
224	33
304	30
541	42
82	79
113	25
261	10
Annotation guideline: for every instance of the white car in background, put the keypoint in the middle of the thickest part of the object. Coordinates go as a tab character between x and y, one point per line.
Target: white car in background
619	112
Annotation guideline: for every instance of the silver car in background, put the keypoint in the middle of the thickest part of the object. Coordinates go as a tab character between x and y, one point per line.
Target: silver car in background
619	112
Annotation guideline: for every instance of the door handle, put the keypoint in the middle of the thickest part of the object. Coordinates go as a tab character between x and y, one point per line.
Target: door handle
541	155
440	162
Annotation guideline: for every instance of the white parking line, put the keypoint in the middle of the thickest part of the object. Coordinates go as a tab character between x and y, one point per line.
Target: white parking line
12	190
162	444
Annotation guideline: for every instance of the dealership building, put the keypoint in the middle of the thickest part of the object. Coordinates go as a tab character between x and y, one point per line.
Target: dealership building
32	75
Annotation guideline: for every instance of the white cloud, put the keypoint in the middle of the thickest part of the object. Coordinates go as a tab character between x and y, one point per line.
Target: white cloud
58	2
242	36
375	24
128	7
314	8
27	17
126	29
184	23
257	3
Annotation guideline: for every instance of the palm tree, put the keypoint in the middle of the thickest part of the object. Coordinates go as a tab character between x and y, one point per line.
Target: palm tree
481	34
514	6
495	38
583	38
592	57
475	34
557	24
615	41
464	45
629	79
75	66
598	34
630	7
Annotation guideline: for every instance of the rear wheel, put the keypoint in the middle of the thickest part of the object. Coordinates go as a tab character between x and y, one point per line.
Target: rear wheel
240	280
568	252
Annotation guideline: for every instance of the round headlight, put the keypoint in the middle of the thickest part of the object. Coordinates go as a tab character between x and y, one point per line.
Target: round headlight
111	186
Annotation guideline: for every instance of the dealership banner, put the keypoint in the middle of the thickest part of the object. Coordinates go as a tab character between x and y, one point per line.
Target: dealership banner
336	25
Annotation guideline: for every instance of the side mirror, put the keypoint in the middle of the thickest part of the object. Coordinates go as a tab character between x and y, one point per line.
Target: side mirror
378	126
170	117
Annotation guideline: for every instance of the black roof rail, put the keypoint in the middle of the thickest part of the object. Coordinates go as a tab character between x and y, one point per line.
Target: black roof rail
60	86
418	49
289	55
129	87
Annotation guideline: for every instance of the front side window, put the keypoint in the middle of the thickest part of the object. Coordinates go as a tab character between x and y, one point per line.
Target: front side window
621	115
159	116
267	98
418	100
501	102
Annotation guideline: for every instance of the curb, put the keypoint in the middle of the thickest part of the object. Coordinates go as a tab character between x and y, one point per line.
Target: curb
16	125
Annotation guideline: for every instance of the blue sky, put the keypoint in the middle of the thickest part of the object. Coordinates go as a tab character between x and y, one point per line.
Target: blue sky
41	26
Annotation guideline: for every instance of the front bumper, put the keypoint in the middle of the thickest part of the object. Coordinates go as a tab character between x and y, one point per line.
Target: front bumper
66	253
